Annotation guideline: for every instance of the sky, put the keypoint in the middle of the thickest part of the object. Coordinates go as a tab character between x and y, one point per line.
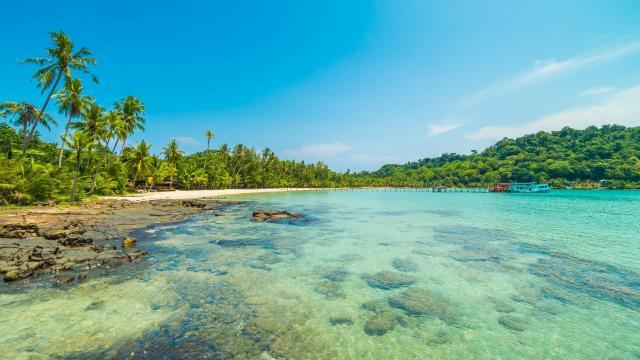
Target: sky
356	84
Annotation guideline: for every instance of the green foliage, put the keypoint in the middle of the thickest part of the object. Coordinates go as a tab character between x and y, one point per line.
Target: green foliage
590	158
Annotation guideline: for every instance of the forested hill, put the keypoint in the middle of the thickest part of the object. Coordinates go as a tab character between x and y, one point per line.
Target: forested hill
593	157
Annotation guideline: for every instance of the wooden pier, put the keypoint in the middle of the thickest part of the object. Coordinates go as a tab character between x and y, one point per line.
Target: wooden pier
439	189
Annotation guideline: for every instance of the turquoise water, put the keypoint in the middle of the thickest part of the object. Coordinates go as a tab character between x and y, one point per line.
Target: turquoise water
488	276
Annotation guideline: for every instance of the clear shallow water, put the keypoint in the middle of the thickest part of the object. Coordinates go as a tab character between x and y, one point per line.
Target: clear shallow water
487	276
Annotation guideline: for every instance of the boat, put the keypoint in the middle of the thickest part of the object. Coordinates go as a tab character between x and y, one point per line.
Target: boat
530	187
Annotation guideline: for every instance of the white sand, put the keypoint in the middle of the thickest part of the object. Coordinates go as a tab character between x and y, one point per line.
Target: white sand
197	194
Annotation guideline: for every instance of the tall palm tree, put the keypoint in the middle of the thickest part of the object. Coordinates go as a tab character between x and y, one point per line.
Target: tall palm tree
130	110
95	126
172	154
71	102
114	126
61	61
210	136
139	160
23	114
79	142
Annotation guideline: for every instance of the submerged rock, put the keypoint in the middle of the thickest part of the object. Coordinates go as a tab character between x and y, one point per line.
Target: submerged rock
340	321
376	306
380	324
337	274
388	280
274	215
504	307
12	275
330	289
419	302
512	323
404	265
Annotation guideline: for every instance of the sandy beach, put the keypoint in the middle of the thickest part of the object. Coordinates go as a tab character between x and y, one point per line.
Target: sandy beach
198	194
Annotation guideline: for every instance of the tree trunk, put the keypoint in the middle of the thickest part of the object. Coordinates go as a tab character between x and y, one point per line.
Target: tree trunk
75	178
64	138
124	142
114	146
27	139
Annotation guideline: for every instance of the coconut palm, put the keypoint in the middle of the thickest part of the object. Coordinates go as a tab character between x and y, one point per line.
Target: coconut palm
210	136
61	61
114	126
172	152
139	160
94	122
79	142
24	114
130	110
71	102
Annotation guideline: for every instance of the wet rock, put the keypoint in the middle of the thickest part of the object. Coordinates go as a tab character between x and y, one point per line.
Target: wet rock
512	323
65	280
19	230
419	302
388	280
274	215
340	321
330	289
404	265
337	274
12	275
380	324
128	241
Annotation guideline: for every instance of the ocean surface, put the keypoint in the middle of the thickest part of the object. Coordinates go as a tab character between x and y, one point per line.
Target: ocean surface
366	275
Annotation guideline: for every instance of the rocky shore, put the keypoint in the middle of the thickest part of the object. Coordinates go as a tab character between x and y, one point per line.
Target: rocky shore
62	242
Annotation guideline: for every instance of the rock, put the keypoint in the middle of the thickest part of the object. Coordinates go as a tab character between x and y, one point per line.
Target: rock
340	321
274	215
337	274
512	323
388	280
269	258
65	280
419	302
19	230
380	324
376	306
128	241
259	265
504	307
404	265
330	289
12	275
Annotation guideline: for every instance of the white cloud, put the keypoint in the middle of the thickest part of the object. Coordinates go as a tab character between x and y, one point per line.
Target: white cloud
319	150
440	128
596	91
543	69
622	108
188	141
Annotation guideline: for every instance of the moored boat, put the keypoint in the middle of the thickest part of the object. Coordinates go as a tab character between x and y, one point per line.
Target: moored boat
530	187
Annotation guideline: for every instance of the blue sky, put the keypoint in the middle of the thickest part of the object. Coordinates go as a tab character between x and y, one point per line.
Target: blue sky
354	83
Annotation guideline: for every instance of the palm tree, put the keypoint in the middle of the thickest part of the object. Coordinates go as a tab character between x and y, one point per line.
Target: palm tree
72	103
78	143
114	126
24	114
156	169
172	154
139	160
61	61
95	126
210	136
130	110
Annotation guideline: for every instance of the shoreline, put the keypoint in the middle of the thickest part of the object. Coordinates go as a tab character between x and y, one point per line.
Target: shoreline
198	194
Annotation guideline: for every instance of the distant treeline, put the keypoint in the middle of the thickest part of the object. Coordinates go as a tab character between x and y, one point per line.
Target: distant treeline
605	157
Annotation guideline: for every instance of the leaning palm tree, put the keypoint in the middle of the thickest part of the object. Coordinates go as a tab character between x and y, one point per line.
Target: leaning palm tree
79	142
24	114
210	136
71	102
60	62
130	110
139	160
114	125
